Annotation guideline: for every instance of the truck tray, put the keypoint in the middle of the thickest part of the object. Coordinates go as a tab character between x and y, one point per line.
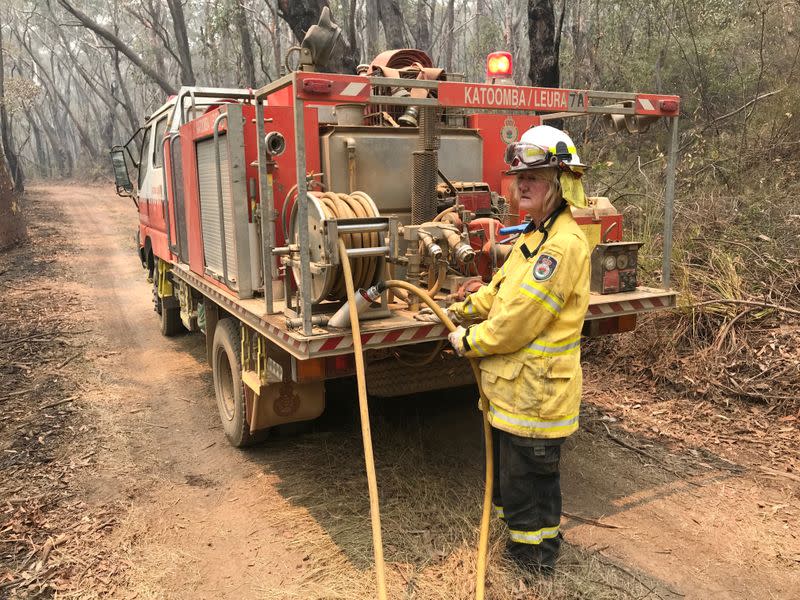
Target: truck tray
397	330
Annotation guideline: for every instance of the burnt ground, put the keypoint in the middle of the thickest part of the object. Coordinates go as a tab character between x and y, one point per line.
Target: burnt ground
117	480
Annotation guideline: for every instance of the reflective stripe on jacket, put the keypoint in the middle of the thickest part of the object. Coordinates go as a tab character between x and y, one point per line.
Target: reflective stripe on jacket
529	340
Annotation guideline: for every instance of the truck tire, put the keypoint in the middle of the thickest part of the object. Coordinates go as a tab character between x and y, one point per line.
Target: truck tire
228	387
168	318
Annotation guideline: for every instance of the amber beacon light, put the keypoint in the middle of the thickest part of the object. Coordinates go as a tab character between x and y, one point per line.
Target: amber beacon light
499	65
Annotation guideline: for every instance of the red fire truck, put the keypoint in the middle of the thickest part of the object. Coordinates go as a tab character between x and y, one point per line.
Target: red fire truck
243	196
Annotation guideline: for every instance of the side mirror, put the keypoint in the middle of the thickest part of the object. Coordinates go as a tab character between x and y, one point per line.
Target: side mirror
121	177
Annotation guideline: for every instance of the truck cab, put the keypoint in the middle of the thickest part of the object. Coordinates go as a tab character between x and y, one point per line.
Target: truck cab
145	150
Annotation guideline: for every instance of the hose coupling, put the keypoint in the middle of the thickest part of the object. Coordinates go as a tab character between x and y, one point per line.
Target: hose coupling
464	253
433	249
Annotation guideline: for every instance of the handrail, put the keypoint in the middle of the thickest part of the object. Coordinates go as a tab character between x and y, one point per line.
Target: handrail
178	117
166	150
164	191
267	210
172	139
218	169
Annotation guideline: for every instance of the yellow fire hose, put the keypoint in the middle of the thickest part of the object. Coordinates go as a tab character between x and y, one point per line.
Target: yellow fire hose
369	458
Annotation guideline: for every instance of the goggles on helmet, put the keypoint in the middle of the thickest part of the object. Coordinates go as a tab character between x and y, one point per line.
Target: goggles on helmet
533	155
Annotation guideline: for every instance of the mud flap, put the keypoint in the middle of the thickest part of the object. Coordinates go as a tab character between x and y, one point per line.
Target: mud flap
282	402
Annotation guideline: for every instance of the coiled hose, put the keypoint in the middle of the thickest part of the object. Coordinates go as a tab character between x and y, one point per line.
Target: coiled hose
369	458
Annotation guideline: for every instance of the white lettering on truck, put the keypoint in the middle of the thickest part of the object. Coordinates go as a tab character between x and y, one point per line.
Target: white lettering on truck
511	97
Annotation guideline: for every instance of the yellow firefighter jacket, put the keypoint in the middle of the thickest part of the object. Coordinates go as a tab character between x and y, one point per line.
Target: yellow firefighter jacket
529	340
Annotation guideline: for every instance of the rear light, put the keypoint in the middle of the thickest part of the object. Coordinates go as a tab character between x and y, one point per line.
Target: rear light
499	64
668	106
626	323
609	326
317	86
308	370
340	366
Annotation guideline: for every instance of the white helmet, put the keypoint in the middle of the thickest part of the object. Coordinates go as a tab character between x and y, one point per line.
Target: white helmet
543	146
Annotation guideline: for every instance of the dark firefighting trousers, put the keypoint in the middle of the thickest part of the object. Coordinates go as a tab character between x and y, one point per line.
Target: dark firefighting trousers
527	496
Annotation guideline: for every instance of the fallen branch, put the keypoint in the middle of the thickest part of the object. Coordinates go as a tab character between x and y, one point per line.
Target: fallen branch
15	288
58	403
768	471
658	461
18	392
48	548
616	440
591	521
727	327
785	309
68	360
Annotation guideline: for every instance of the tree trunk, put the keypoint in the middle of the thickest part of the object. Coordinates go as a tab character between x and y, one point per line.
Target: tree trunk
42	164
422	32
449	17
350	7
543	45
240	20
6	140
63	162
278	50
12	227
393	23
372	12
182	41
517	39
133	121
302	14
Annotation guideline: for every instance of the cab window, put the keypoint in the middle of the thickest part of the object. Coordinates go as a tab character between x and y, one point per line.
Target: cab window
144	160
161	127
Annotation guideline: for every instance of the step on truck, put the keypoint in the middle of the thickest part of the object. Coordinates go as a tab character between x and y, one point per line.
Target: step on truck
243	196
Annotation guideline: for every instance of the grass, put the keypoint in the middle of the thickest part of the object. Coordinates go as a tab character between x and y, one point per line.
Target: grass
736	237
430	478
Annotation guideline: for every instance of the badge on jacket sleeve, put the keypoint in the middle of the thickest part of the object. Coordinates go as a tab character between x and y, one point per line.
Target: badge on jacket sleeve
544	268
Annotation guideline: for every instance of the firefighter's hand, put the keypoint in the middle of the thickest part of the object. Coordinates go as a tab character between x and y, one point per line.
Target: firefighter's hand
426	314
456	339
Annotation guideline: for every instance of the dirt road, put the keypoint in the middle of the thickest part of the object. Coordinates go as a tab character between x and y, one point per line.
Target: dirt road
147	500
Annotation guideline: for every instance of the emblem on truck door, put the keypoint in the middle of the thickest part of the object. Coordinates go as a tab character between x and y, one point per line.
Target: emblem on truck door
509	131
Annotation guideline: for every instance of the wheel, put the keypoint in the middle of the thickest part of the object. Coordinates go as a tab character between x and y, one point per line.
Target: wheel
170	321
228	387
169	318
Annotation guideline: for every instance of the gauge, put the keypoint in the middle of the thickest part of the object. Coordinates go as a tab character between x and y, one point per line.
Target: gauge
609	263
622	261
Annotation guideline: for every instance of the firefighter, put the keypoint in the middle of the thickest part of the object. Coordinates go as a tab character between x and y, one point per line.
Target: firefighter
528	341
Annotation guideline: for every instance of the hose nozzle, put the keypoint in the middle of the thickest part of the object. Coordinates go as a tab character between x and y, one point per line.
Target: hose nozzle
363	298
